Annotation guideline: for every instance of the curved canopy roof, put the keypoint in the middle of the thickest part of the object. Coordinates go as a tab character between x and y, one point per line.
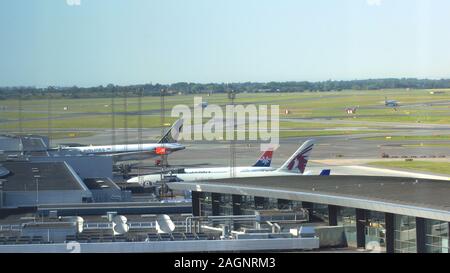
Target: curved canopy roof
405	196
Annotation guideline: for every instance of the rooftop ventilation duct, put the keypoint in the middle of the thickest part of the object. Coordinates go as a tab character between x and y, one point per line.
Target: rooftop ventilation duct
119	225
164	224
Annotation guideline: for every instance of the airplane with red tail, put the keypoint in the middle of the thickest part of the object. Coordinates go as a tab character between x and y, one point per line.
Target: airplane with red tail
295	165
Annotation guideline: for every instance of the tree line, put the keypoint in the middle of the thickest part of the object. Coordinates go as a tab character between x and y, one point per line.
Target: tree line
198	88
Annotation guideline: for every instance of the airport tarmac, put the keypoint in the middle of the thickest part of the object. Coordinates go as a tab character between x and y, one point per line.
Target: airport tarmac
322	157
338	150
337	146
332	150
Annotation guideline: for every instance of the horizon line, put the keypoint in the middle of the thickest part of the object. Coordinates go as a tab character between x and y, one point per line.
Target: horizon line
221	83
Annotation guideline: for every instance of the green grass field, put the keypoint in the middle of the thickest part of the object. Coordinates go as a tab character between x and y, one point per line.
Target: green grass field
288	134
417	138
317	125
292	133
301	105
15	115
426	166
66	135
426	145
93	122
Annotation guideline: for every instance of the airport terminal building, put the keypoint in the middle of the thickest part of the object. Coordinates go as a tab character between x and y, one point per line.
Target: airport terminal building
28	184
388	214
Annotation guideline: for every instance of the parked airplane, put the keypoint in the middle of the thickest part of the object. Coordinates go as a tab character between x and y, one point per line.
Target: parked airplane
124	152
390	103
263	163
295	165
203	104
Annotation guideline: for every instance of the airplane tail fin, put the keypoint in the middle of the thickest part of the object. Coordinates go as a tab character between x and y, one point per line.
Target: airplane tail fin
325	172
265	159
297	162
172	135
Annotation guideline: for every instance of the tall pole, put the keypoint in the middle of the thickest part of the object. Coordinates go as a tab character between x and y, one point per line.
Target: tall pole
125	118
140	92
163	112
1	193
20	111
113	118
49	117
37	191
231	97
162	122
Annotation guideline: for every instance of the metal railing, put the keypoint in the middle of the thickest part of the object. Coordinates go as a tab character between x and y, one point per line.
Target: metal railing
90	226
133	225
194	222
10	227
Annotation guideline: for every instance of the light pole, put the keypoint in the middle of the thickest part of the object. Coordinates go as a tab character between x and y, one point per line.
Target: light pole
231	97
37	188
1	192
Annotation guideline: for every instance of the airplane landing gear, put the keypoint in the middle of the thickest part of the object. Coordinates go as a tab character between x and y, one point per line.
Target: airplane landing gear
124	170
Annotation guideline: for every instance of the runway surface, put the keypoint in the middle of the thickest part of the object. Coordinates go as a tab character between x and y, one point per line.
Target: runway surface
342	152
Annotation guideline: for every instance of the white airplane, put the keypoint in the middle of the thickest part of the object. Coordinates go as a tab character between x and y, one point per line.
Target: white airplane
295	165
166	145
390	103
263	163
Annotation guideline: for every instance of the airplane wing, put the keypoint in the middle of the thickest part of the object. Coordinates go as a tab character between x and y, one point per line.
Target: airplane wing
149	153
129	156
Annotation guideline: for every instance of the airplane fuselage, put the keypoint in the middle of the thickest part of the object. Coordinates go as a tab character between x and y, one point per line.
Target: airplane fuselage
126	148
226	170
213	174
391	103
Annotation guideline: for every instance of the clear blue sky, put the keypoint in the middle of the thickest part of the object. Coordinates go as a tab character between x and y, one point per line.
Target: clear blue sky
48	42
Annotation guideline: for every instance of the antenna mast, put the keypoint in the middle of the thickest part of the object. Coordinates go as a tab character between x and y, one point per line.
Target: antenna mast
113	118
163	156
231	97
49	117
